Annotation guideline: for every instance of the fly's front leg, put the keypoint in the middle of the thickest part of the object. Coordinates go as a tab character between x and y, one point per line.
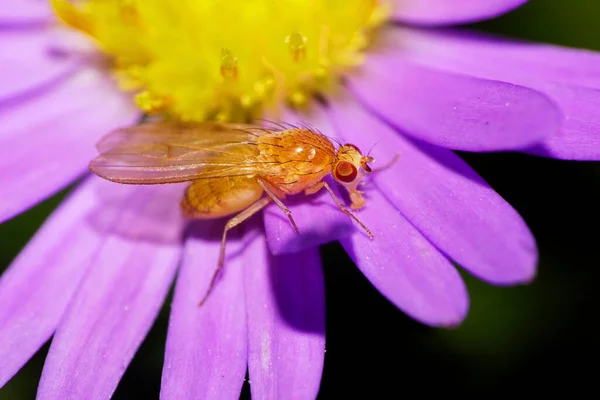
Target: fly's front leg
315	188
320	185
282	206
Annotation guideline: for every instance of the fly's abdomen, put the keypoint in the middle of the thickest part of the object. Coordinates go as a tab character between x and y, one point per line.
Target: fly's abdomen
219	197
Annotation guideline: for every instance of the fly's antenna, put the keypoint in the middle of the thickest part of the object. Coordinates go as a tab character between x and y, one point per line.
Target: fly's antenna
371	149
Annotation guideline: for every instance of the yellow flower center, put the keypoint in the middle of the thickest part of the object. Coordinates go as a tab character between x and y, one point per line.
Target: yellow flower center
226	60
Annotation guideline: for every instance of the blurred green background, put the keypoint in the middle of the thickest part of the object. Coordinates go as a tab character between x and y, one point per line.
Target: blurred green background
528	338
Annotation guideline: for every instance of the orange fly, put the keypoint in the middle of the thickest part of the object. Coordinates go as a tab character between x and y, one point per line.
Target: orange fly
231	167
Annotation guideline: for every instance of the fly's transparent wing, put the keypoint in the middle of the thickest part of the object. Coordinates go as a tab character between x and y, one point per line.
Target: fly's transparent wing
167	152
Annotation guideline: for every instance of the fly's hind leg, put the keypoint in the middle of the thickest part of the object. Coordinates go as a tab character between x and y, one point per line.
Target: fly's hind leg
232	223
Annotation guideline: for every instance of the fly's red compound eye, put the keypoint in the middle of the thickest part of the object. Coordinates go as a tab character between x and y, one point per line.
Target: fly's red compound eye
345	172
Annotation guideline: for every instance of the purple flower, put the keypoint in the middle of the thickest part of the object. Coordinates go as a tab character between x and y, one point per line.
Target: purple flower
98	271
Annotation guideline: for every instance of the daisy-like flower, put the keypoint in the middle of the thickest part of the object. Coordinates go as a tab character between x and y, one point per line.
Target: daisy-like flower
97	272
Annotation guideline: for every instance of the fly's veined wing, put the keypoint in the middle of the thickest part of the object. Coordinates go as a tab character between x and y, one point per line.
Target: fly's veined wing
167	152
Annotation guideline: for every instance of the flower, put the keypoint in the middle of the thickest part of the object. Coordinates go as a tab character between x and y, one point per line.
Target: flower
98	270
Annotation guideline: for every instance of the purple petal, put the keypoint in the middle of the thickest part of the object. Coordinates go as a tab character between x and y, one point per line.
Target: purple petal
454	110
35	290
25	12
121	294
46	142
28	62
406	268
443	12
579	137
571	78
206	354
285	300
492	56
445	199
318	218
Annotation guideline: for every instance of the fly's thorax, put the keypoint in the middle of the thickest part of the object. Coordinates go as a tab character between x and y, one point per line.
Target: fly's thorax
300	158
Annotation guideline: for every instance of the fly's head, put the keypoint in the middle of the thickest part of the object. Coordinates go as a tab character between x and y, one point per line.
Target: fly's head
349	169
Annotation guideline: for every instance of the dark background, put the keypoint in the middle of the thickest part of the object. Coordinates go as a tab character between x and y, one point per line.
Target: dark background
539	337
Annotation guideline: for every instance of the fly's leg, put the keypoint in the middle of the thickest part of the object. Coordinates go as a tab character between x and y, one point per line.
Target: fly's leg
314	189
282	206
233	222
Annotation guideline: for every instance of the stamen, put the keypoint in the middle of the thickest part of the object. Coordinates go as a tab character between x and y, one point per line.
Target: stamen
167	52
150	103
129	14
297	46
298	98
229	68
76	17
